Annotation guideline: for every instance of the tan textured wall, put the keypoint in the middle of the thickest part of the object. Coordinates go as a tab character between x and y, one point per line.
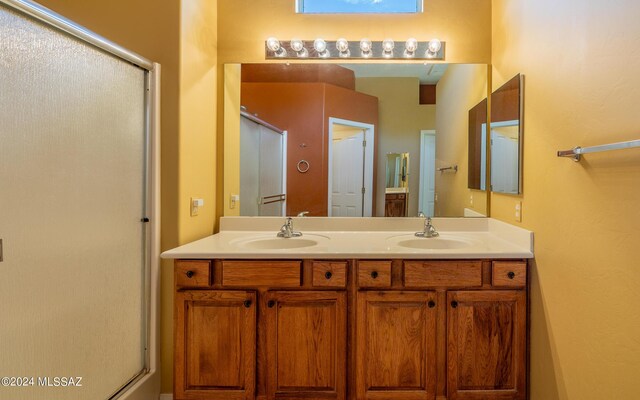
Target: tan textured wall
580	60
460	89
197	148
245	24
400	119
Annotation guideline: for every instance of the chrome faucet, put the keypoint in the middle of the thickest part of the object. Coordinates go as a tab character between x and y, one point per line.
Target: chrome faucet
421	214
286	230
429	230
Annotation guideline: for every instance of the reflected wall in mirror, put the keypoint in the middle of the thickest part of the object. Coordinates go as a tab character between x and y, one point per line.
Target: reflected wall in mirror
506	137
342	122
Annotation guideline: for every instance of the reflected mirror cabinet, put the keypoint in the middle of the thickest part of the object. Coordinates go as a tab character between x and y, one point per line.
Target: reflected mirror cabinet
361	140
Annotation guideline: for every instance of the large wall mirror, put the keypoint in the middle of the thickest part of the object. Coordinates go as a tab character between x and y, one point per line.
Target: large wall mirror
506	137
363	139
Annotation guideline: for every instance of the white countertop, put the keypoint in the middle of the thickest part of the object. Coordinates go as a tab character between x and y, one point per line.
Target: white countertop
363	238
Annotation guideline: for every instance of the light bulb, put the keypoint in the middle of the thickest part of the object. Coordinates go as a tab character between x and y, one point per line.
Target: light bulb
410	47
343	47
433	48
365	47
297	45
388	45
273	44
320	45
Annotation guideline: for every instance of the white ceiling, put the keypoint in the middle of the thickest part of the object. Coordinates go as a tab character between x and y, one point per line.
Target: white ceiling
428	74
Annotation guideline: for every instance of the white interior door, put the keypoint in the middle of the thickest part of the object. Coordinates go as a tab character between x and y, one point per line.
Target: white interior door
348	176
427	191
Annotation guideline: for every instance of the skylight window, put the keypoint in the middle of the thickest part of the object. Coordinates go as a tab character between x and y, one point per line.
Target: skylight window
358	6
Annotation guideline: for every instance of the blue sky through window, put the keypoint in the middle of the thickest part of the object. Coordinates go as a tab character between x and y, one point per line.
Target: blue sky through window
358	6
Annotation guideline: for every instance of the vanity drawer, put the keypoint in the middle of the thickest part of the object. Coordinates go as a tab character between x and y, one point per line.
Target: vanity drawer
329	273
509	274
261	273
193	273
375	274
420	274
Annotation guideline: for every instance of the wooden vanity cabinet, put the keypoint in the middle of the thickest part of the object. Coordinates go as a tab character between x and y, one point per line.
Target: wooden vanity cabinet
396	345
351	330
215	345
306	344
486	345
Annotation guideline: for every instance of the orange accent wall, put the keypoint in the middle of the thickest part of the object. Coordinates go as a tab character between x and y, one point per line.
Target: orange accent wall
303	110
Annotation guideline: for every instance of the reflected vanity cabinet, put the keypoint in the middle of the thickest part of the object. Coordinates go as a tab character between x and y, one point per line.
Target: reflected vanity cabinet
350	329
395	205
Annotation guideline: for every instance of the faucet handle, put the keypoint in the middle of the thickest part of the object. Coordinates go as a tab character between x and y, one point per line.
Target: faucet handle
303	213
421	214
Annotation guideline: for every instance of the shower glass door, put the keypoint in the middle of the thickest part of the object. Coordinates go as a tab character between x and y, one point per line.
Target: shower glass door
72	195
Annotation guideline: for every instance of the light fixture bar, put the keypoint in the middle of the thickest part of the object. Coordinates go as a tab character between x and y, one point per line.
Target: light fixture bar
335	49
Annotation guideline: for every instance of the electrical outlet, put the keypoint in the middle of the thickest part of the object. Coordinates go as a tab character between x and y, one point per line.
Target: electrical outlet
518	211
195	206
233	199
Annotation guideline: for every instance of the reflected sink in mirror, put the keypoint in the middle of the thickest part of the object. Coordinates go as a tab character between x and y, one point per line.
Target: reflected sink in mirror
276	243
436	243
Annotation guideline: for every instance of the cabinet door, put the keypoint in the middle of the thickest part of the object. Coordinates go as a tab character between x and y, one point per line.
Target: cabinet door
396	345
215	345
306	345
486	345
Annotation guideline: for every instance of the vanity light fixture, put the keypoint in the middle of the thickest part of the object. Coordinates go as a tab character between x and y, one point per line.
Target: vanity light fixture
342	48
297	45
274	46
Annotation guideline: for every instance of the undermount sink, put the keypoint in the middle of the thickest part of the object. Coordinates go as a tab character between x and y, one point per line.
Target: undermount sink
277	243
435	243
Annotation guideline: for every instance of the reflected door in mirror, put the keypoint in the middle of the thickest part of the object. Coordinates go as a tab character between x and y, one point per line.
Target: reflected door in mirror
262	170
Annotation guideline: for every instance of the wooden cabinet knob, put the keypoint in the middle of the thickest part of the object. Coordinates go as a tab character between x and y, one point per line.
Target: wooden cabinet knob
328	274
271	303
374	274
431	304
454	304
247	303
511	274
189	274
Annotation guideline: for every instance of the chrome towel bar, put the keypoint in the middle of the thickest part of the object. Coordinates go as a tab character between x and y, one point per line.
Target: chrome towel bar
576	152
